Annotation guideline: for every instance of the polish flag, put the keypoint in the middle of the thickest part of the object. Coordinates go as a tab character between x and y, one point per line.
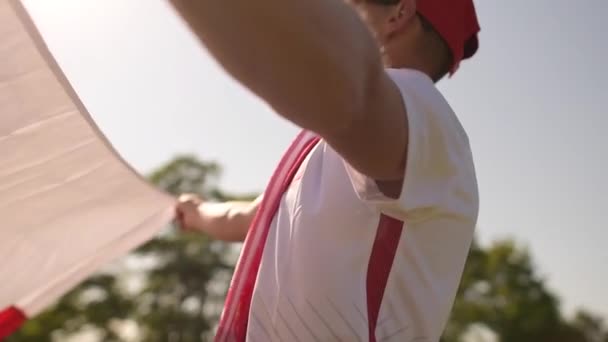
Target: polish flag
68	203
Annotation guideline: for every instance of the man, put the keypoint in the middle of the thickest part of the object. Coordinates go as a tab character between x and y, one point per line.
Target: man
371	225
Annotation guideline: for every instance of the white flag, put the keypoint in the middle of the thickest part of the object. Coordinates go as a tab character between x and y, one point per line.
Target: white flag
68	202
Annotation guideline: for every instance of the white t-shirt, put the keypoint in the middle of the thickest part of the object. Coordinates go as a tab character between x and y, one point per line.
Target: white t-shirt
342	262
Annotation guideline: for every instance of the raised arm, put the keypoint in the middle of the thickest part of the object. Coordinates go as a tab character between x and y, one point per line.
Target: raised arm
316	63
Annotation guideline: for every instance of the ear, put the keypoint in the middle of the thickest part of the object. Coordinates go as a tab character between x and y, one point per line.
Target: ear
401	15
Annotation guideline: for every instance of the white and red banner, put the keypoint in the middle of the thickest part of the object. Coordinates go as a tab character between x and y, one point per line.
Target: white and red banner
68	202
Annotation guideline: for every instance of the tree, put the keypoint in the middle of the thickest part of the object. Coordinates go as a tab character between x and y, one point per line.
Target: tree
592	327
502	291
96	302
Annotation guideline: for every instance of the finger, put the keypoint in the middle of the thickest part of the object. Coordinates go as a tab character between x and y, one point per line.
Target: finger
180	219
184	198
192	198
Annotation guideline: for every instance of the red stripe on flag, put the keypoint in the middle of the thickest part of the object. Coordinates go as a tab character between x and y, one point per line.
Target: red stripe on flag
11	319
379	267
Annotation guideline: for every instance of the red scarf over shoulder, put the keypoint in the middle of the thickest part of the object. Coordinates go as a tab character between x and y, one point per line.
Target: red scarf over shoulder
233	323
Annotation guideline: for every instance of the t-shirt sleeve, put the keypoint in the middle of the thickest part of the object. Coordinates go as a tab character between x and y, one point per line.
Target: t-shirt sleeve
439	174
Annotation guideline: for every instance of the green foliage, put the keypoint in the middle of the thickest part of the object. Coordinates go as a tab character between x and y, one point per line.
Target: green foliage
97	300
591	327
187	174
501	290
173	287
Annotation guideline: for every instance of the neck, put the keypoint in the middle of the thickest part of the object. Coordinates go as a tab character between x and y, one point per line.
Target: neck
402	57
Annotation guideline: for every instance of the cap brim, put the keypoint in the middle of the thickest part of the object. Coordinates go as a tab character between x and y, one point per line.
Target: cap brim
471	46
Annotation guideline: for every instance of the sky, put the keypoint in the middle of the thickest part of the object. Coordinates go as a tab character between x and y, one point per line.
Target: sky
532	101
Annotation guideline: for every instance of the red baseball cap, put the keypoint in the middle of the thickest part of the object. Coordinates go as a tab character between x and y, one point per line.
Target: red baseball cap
456	22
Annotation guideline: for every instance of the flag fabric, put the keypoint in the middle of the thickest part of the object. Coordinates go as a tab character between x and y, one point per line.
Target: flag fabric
68	202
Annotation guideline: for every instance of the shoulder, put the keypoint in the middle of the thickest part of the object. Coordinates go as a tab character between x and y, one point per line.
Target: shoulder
439	171
431	119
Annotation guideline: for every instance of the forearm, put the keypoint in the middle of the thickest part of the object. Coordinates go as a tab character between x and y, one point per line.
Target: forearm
228	221
310	60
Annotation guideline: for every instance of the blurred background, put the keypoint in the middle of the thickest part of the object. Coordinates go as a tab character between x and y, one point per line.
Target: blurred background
532	101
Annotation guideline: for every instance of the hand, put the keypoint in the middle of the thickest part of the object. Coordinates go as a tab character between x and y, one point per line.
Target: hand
227	221
188	214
